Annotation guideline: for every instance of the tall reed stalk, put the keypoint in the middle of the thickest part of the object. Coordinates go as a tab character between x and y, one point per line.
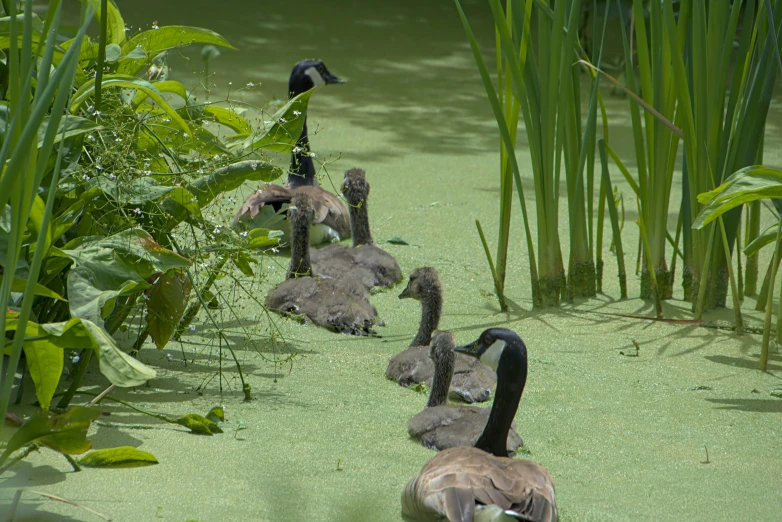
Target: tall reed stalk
24	161
546	91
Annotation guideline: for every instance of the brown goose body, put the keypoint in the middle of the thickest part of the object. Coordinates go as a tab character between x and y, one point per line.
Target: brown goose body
474	480
341	307
364	261
440	426
481	483
472	380
330	219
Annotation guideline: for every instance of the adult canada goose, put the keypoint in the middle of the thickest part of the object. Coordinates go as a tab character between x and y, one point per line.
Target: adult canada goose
364	261
330	218
472	380
482	483
343	307
440	426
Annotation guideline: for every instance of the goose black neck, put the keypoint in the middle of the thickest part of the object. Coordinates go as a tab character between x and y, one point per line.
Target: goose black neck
302	170
511	378
431	308
441	382
300	249
359	224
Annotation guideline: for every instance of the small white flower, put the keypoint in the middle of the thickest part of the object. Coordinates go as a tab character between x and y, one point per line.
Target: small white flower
192	329
137	211
169	357
254	166
250	85
297	113
283	120
312	155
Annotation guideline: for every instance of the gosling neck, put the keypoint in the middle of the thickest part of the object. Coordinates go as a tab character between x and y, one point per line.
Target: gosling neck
431	309
302	171
359	224
441	382
300	252
511	378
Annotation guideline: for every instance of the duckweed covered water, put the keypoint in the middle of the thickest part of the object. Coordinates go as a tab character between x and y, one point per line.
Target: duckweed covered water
624	437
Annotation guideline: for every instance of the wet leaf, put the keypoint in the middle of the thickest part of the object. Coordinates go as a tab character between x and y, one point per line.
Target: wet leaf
284	130
120	457
231	177
113	53
66	433
20	284
198	424
118	367
242	261
129	255
166	304
216	414
744	186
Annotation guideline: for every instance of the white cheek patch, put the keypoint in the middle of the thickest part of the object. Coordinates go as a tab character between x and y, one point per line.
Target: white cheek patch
491	357
315	76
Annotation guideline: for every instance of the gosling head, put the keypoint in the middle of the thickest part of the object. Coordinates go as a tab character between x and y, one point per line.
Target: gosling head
442	346
355	187
490	346
301	210
308	74
423	282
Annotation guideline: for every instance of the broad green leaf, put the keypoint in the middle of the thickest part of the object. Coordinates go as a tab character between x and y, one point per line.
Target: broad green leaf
119	457
113	53
283	131
768	236
155	41
120	80
65	221
138	192
115	24
129	255
216	414
166	303
198	424
243	261
744	186
262	237
20	284
66	433
264	220
180	204
91	303
171	86
231	177
229	118
44	361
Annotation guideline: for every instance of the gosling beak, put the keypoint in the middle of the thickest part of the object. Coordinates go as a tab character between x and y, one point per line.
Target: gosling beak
405	293
474	349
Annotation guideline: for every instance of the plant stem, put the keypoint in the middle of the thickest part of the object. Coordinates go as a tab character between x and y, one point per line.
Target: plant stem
733	287
65	400
770	304
104	21
497	282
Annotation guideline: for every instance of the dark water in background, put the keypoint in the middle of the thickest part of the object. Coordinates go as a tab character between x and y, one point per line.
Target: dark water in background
409	69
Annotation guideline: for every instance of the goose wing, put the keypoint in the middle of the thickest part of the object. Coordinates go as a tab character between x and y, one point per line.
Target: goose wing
274	195
329	210
453	476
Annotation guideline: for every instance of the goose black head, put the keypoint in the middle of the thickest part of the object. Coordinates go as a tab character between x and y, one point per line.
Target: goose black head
308	74
355	187
491	344
423	281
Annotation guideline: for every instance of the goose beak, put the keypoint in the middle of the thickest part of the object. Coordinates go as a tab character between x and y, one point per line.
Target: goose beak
330	79
405	293
473	349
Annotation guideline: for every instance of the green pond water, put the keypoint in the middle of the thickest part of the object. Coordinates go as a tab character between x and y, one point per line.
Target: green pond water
625	438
